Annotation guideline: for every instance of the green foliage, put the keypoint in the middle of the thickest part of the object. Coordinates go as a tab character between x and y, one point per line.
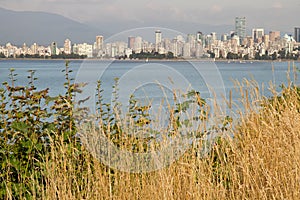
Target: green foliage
151	55
29	118
68	56
231	55
2	55
60	56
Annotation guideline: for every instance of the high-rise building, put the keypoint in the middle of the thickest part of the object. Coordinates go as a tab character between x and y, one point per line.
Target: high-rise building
297	34
257	34
191	39
224	37
157	40
99	42
53	48
85	49
138	44
131	41
213	36
266	40
34	48
67	46
274	35
240	27
186	50
200	38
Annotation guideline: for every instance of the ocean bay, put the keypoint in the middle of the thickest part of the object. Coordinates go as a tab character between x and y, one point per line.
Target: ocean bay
202	76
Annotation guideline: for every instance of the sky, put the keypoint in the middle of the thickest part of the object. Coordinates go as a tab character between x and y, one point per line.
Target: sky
270	14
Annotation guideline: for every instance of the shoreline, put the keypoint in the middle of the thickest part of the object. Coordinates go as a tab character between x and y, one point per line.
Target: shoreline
149	60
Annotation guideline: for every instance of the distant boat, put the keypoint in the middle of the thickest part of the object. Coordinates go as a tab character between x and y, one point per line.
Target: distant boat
147	60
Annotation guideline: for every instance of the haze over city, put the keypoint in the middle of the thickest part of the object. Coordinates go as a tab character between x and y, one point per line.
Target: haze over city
186	16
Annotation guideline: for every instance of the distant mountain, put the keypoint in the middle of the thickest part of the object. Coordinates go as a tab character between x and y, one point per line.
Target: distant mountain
20	27
42	28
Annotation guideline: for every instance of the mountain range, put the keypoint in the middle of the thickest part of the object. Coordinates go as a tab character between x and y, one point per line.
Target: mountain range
43	28
20	27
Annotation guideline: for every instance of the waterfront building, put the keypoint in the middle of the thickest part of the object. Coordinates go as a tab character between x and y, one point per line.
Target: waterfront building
174	47
199	50
67	46
191	40
257	34
266	40
240	27
167	44
224	37
131	41
75	48
208	42
234	44
297	34
99	42
158	39
128	52
180	38
289	43
137	47
24	48
53	49
121	47
213	37
147	46
85	49
34	49
200	38
186	50
274	36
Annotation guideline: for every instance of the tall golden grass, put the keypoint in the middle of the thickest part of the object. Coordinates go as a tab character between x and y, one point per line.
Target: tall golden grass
261	161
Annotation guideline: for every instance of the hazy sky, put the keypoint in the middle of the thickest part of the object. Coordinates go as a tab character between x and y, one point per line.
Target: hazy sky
270	14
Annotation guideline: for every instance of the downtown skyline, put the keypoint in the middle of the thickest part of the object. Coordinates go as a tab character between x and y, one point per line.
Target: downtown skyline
236	45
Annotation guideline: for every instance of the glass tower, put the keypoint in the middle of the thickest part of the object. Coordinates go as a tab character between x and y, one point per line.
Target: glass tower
297	34
240	27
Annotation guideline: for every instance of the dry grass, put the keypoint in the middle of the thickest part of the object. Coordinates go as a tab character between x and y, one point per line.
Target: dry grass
262	161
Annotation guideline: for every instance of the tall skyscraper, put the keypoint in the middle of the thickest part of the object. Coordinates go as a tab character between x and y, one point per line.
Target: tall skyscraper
240	27
138	44
257	34
34	48
131	41
67	46
99	42
157	40
53	48
200	38
297	34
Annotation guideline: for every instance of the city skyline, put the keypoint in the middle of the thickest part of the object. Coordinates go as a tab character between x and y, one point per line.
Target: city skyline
118	15
236	45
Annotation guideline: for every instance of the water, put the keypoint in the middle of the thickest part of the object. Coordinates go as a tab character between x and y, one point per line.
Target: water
140	78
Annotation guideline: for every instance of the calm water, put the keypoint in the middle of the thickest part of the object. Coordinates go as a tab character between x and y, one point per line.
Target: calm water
141	78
